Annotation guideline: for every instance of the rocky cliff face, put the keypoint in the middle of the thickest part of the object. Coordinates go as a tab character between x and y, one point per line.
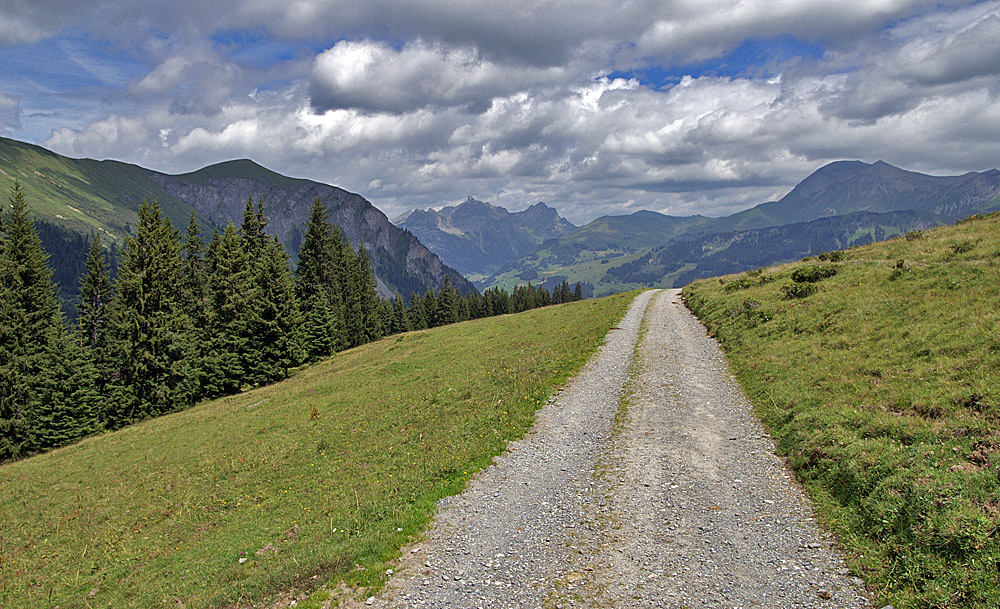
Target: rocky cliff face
401	263
479	238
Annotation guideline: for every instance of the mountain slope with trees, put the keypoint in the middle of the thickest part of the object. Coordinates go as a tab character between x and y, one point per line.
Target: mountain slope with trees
80	197
184	320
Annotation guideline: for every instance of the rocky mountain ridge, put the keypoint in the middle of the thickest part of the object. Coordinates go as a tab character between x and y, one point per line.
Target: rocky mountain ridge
85	196
477	238
841	204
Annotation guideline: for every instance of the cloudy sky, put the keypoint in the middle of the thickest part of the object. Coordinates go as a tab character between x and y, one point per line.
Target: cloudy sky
681	106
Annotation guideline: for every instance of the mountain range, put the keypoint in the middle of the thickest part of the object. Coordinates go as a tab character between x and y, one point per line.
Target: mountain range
478	238
72	197
841	204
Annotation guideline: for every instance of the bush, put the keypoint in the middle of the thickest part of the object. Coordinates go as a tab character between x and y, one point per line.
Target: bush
812	274
897	270
794	290
749	314
740	284
963	247
913	235
834	256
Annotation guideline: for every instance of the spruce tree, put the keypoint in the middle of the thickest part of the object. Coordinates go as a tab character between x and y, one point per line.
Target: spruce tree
150	333
430	308
318	285
195	298
70	410
37	410
372	310
96	293
447	311
14	392
231	316
353	291
278	322
400	318
416	312
94	298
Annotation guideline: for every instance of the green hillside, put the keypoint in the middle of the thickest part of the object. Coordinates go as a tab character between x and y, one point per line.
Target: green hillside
822	212
326	474
84	195
877	371
682	259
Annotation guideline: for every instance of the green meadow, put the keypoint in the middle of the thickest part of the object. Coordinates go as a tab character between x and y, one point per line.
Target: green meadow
317	479
877	371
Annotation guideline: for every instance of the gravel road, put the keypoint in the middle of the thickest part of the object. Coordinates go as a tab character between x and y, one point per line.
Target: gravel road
674	500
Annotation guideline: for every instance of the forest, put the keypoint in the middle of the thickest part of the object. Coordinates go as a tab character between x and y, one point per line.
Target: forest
187	318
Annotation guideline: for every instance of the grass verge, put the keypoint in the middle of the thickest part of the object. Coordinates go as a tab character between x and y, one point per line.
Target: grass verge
877	372
319	478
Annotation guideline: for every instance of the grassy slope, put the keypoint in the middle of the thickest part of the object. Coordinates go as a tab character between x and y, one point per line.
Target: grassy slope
83	194
159	514
883	389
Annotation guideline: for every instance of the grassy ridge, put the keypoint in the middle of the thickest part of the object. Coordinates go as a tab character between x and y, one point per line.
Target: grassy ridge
882	387
83	194
314	476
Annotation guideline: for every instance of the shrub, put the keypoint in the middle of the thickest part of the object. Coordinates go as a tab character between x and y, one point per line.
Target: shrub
913	235
962	247
794	290
749	314
812	274
739	284
897	270
834	256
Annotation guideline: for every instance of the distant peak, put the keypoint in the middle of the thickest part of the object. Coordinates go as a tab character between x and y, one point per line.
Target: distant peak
236	164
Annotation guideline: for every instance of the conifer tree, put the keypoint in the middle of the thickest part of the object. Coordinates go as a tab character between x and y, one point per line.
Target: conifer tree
447	304
96	293
35	353
319	327
150	333
368	297
384	313
231	313
194	275
416	312
70	410
278	322
353	291
578	292
194	296
400	318
318	285
94	298
430	308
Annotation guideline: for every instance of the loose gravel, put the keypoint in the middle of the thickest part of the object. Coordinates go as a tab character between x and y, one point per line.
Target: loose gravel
643	483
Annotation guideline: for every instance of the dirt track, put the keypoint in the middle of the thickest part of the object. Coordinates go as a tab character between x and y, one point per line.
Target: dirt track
673	500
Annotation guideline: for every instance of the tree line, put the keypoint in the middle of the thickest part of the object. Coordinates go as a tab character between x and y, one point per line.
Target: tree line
187	319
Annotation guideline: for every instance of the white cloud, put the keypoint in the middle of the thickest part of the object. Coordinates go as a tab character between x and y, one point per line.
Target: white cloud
505	101
373	76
